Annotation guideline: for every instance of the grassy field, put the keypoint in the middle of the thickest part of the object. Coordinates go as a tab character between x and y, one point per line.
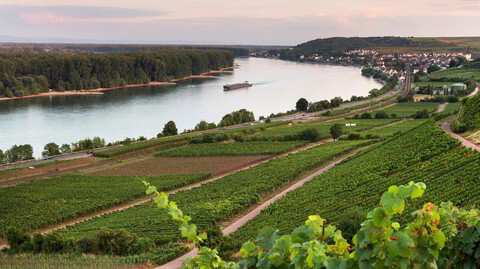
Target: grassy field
453	107
160	166
323	128
231	149
433	83
40	203
249	186
457	73
407	109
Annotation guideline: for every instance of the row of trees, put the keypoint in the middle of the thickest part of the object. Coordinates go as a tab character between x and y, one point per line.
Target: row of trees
32	73
303	105
16	153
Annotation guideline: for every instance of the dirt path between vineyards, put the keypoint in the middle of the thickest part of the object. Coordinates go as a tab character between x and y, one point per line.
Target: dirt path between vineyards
177	263
441	107
465	142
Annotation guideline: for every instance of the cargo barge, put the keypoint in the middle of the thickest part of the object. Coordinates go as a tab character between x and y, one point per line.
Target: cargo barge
235	86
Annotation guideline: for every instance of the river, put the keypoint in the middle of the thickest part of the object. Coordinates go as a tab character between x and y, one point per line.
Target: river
133	112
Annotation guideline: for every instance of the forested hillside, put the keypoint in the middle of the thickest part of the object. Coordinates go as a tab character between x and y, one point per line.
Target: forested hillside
32	73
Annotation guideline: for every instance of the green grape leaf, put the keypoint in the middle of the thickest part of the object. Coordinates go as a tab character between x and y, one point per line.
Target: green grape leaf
337	263
151	189
380	217
247	249
267	238
439	237
418	190
396	226
162	200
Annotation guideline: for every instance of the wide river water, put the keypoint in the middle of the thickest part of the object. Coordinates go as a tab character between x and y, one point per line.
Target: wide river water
133	112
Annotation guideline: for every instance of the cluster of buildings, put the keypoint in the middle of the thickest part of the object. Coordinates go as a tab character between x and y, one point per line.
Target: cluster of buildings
388	63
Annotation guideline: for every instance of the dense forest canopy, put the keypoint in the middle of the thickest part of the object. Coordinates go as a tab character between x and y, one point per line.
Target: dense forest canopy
32	73
337	45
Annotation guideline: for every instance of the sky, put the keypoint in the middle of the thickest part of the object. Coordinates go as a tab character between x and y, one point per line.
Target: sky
240	22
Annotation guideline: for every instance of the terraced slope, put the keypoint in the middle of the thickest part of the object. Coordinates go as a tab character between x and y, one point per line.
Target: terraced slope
37	204
218	200
425	154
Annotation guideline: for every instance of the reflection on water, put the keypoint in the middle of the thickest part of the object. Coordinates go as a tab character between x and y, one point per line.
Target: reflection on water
131	112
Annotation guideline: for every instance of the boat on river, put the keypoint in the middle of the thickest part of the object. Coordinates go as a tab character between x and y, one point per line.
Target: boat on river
235	86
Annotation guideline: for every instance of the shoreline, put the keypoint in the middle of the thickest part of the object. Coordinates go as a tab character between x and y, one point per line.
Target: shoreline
99	91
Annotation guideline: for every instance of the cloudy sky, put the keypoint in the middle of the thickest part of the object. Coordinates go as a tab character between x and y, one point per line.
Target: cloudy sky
263	22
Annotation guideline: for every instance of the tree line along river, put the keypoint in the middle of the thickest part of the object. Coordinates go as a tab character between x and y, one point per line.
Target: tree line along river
143	111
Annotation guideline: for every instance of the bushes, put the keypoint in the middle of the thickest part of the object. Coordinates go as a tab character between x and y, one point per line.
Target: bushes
216	240
366	115
105	242
354	136
381	115
458	127
310	134
350	222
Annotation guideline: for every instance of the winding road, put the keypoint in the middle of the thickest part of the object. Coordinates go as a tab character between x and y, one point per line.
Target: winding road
465	142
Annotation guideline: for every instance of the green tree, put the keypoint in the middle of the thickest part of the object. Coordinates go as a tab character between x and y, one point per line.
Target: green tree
302	104
336	102
336	131
381	115
51	149
170	128
19	153
2	157
432	68
201	126
65	148
366	115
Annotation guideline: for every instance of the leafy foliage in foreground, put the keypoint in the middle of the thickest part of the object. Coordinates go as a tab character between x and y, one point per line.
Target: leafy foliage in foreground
439	236
249	186
41	203
230	149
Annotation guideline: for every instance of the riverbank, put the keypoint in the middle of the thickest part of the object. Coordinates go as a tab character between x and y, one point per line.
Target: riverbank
99	91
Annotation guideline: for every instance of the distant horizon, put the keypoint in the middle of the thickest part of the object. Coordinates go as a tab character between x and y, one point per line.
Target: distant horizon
59	40
243	22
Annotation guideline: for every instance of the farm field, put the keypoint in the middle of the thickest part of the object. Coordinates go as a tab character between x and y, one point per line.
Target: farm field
40	203
407	109
56	261
160	166
396	128
283	132
140	145
425	154
433	83
248	185
453	107
231	149
465	73
44	168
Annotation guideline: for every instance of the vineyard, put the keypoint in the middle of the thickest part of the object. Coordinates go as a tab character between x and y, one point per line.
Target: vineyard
394	129
163	166
408	109
283	132
248	185
231	149
122	149
41	203
424	154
